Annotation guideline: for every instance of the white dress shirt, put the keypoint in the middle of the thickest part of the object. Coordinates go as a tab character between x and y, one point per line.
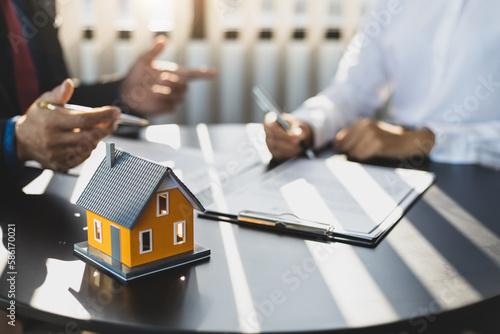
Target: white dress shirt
440	61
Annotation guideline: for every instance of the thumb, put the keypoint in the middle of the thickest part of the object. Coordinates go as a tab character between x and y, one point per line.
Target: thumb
61	94
297	133
339	137
158	45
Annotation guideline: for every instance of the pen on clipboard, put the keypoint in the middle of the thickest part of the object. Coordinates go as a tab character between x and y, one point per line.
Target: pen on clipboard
265	103
124	119
288	222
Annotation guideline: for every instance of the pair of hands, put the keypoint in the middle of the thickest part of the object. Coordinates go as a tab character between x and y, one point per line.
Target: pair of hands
362	140
61	139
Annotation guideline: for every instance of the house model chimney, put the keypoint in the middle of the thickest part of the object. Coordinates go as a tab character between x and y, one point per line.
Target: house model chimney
110	154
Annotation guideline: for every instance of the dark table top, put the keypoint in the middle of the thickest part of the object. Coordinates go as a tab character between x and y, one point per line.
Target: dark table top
442	257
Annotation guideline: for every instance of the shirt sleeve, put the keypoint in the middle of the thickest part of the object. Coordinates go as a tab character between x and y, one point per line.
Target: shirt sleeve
475	143
8	155
356	90
10	160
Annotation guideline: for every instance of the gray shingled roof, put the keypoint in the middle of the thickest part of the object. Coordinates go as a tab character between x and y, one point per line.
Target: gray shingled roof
121	193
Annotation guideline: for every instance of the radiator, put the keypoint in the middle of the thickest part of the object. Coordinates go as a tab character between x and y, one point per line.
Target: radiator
289	47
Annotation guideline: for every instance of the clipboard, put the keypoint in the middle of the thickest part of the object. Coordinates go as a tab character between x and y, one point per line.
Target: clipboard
245	209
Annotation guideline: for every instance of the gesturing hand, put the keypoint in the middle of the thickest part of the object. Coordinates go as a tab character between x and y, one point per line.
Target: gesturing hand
367	138
61	139
153	87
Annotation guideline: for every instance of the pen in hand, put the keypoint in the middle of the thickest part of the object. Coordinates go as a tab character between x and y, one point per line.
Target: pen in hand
124	119
268	105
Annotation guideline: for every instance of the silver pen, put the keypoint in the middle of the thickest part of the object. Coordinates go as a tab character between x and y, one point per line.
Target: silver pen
288	221
124	119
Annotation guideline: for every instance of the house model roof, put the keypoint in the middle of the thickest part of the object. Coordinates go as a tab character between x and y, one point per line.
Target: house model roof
121	193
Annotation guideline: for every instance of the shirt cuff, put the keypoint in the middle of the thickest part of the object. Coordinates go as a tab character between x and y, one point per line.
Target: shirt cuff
9	150
323	117
451	145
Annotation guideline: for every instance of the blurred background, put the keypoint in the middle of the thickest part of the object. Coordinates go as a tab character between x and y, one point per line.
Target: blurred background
289	47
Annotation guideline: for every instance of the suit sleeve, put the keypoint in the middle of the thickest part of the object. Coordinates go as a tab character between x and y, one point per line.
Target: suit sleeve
356	91
98	95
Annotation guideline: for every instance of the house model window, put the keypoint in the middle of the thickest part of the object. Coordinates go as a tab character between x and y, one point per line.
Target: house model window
97	230
162	204
179	232
146	241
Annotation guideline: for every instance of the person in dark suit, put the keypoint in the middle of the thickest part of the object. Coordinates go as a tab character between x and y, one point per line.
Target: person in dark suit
32	69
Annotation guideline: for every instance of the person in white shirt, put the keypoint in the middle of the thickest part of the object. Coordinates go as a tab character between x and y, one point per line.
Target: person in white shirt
438	61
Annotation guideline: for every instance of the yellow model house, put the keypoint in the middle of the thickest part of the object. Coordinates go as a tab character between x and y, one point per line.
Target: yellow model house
138	211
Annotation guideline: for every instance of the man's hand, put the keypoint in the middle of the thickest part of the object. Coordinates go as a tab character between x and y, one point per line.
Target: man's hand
152	87
282	144
368	138
61	139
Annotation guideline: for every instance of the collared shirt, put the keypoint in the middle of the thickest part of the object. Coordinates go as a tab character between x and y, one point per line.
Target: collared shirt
440	61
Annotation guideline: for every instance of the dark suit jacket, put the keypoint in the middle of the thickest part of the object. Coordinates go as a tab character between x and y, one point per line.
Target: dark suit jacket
51	68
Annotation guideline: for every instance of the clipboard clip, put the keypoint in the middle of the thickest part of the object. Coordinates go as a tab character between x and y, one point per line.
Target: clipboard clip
286	221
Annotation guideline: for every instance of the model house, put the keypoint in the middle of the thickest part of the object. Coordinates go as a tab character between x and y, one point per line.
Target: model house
138	211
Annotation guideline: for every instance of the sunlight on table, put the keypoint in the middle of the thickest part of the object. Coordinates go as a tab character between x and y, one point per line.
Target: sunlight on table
169	134
51	297
241	291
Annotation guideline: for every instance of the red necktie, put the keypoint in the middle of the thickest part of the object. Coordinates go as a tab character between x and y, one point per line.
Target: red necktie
24	66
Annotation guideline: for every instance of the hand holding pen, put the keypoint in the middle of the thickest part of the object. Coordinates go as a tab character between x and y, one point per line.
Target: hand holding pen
286	144
286	137
124	119
60	138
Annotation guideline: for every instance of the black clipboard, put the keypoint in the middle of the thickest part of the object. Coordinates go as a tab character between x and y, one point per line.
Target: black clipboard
284	222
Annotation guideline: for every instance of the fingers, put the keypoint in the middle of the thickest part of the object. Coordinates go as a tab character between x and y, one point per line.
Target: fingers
63	156
172	84
153	86
168	87
60	94
69	120
66	150
171	79
73	138
347	138
165	91
366	139
157	47
61	139
176	83
202	72
364	149
187	73
66	158
300	130
282	144
354	140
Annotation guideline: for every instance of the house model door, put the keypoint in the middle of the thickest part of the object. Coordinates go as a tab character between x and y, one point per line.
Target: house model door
115	244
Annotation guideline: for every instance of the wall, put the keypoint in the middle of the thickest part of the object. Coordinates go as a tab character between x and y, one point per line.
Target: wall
289	47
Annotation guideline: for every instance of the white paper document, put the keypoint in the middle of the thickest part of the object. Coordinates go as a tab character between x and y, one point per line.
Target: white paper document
357	199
